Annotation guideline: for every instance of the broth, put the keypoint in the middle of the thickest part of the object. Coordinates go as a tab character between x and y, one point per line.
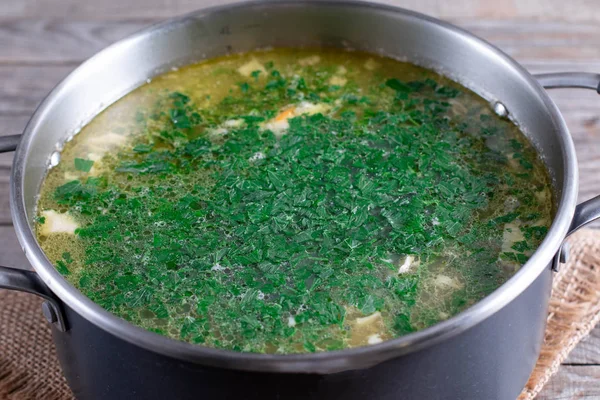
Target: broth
289	201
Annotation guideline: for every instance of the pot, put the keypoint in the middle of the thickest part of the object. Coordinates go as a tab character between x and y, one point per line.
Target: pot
486	352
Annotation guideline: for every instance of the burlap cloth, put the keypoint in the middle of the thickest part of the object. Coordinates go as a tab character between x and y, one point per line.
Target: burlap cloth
29	368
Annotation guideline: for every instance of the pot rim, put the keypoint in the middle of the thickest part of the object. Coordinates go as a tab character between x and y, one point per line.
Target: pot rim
324	362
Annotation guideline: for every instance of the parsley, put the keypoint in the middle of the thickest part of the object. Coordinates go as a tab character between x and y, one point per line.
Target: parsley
62	265
142	148
255	74
83	164
244	87
397	85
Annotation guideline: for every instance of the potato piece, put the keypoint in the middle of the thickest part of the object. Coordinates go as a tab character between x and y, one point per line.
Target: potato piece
444	281
371	64
511	235
374	339
233	123
337	80
57	223
310	60
251	66
369	319
277	127
308	108
107	141
407	265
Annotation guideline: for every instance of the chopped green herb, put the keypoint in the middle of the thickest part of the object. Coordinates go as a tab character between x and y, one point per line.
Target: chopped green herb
142	148
83	164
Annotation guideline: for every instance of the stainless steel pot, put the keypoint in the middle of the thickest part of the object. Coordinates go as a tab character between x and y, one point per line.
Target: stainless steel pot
486	352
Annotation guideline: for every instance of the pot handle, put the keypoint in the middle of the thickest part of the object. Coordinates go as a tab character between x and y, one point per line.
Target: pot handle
29	281
563	80
9	143
589	210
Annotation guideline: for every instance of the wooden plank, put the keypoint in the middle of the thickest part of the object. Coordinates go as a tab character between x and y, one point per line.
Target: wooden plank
10	125
23	87
67	41
59	42
102	10
581	110
540	42
11	255
559	65
573	382
587	351
5	218
574	10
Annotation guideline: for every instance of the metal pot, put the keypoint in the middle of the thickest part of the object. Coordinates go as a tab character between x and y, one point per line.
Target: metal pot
486	352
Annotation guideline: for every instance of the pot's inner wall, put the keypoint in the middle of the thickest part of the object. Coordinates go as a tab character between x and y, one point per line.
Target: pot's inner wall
126	65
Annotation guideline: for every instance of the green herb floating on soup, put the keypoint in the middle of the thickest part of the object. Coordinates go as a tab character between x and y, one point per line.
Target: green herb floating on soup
294	201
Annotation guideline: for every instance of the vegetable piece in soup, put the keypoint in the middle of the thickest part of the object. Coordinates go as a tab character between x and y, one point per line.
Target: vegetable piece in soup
290	201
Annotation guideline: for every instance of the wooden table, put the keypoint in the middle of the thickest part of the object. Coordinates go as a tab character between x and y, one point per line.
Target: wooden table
43	40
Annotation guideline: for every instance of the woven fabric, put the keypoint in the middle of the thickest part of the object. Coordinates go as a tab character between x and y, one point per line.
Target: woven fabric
28	365
29	368
574	308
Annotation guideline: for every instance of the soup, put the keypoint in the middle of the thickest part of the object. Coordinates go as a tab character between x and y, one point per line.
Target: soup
289	201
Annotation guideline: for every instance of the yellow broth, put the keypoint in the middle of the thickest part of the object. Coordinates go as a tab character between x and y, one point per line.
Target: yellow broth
291	200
